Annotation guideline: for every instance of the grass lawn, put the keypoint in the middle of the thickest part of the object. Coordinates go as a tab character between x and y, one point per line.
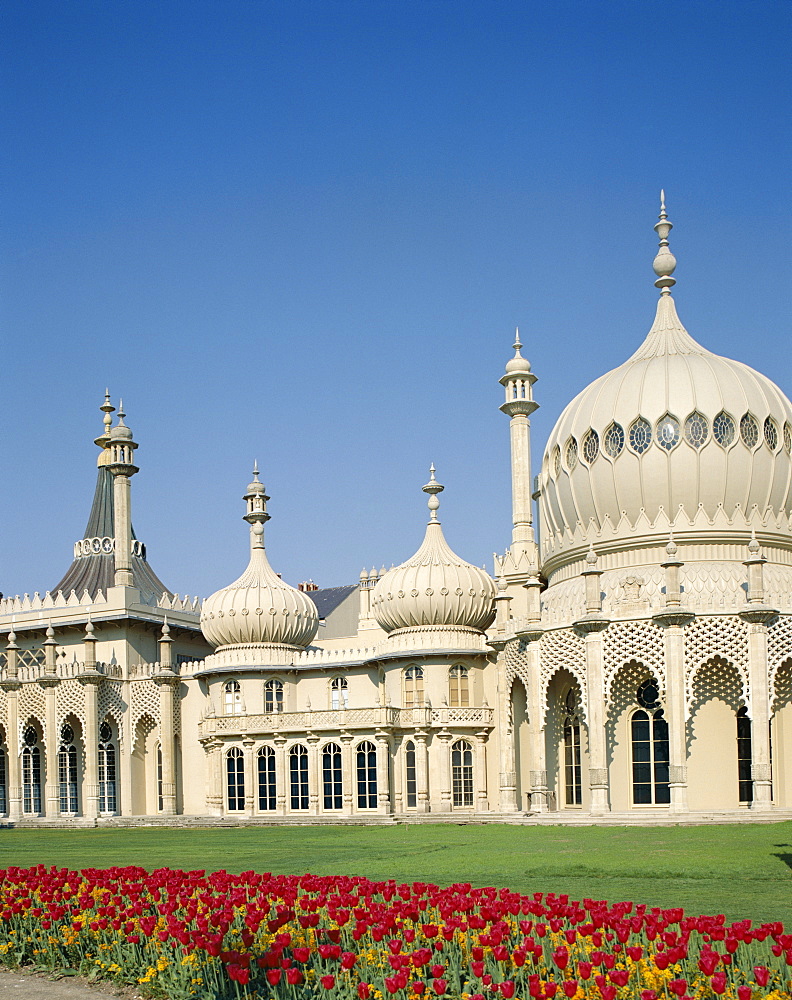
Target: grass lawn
742	871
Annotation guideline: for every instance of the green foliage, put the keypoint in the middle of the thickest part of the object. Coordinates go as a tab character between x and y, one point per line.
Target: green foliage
741	870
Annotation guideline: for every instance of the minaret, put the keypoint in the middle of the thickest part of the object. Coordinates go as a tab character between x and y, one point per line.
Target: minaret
519	405
256	515
122	449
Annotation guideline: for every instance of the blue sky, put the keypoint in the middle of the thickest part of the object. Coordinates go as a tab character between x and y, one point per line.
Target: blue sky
304	233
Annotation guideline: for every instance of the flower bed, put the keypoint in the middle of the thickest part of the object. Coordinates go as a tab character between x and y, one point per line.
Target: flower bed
188	934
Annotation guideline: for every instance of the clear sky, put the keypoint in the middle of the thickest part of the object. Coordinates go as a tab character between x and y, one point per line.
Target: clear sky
303	233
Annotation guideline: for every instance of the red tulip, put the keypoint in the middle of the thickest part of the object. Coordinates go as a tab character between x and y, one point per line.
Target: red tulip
439	986
327	981
718	983
274	976
761	974
678	986
363	991
507	989
570	986
744	993
294	977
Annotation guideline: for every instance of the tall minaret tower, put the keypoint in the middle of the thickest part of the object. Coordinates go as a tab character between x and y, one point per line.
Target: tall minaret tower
121	464
521	560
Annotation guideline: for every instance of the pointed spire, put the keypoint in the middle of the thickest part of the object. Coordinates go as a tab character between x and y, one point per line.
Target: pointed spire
665	261
433	488
107	408
256	515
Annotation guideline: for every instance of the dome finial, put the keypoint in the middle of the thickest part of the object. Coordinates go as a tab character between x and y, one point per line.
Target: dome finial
433	488
665	262
517	342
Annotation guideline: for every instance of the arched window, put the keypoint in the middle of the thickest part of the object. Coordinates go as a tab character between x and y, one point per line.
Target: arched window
339	693
367	775
572	768
409	765
232	699
273	697
331	776
31	772
413	687
462	773
458	696
235	770
266	779
67	770
744	756
107	770
298	776
3	782
649	745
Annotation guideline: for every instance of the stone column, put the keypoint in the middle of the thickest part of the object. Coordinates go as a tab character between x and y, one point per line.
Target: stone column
11	687
90	681
52	777
421	772
250	775
168	683
347	774
536	719
383	773
507	792
399	789
759	616
282	776
443	767
481	772
313	774
214	791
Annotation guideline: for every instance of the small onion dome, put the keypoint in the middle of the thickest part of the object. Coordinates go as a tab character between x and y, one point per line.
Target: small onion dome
518	365
259	607
435	587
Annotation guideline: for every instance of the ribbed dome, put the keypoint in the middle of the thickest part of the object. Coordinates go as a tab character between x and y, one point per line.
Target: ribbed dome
675	426
259	607
435	587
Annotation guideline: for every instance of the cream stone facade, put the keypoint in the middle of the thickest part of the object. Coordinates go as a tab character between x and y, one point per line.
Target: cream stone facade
629	662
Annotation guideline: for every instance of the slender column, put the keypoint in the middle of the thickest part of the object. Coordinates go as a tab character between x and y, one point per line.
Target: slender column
282	776
399	792
51	783
11	688
250	774
167	683
383	773
507	791
347	774
126	739
759	616
313	774
444	767
122	448
538	774
481	772
214	786
673	619
90	682
421	772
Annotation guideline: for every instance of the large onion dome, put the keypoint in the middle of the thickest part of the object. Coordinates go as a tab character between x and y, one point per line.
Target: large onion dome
259	607
435	587
675	434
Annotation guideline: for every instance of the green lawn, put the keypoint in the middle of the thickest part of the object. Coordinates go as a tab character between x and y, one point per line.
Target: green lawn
742	871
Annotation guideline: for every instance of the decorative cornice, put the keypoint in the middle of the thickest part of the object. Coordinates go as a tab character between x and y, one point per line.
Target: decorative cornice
673	616
758	614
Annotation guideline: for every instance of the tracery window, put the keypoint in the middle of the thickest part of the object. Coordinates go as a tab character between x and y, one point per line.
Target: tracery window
410	774
339	693
413	687
573	785
590	445
366	775
107	770
67	770
232	698
787	439
614	440
749	431
331	776
266	779
556	461
235	771
273	697
723	429
458	693
462	773
298	776
571	454
696	430
640	435
770	433
31	772
649	747
667	432
744	756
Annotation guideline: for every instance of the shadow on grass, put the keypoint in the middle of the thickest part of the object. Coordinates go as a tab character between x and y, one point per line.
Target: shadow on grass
786	858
